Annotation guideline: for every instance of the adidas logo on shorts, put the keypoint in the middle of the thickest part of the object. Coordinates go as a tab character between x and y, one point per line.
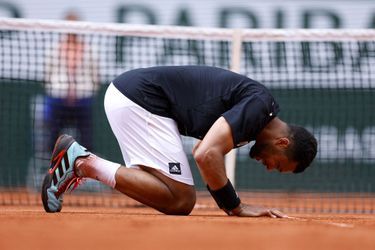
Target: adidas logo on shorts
174	168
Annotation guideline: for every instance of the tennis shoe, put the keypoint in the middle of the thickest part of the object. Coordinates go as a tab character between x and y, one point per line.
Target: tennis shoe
61	176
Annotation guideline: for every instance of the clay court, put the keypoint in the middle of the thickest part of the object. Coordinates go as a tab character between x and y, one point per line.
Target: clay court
138	227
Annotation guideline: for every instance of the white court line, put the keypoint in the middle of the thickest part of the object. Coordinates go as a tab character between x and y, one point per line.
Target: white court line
343	225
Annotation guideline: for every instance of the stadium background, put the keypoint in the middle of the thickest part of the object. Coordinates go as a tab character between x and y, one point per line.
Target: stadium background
206	13
345	165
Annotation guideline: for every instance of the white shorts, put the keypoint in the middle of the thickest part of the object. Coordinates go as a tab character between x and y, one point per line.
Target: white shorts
146	139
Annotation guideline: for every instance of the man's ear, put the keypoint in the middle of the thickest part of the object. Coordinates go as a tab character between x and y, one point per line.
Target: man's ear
283	142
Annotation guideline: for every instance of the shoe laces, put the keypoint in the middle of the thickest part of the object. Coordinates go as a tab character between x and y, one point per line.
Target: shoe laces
70	186
78	181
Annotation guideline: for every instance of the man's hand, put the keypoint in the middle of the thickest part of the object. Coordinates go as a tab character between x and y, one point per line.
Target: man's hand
244	210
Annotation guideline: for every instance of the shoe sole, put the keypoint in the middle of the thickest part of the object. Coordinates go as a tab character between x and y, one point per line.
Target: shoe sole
46	184
62	143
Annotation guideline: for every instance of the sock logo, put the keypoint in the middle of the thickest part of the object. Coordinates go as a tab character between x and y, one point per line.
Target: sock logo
174	168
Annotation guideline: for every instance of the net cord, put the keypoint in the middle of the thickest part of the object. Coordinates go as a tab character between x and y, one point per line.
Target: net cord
178	32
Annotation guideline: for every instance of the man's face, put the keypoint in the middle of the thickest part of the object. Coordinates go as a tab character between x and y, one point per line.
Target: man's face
272	155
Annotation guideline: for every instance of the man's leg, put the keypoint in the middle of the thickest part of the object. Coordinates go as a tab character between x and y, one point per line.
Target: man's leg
70	162
146	185
84	122
54	117
152	143
145	139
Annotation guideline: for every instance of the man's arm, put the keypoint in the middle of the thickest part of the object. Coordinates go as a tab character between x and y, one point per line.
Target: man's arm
209	155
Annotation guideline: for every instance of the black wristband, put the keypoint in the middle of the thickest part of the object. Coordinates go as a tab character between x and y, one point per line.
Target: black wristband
226	197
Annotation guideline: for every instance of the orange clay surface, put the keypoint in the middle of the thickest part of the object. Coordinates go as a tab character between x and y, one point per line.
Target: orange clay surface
138	227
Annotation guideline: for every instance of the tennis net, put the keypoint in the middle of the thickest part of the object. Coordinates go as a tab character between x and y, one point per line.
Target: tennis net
323	80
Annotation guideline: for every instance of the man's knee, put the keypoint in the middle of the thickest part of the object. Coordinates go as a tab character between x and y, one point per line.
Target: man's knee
182	205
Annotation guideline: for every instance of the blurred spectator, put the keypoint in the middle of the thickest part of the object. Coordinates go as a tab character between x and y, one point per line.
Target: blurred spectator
72	80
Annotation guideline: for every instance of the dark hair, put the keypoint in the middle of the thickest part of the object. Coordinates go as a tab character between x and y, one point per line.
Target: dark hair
303	148
72	15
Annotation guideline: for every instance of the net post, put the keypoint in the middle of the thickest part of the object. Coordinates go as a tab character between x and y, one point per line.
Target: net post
230	158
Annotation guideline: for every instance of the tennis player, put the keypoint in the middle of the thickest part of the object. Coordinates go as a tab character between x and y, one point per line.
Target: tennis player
149	108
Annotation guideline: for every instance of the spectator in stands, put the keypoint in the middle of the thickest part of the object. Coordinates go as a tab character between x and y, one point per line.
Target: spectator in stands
72	81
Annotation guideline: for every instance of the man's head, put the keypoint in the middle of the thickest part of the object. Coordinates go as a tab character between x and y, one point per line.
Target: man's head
72	15
288	148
